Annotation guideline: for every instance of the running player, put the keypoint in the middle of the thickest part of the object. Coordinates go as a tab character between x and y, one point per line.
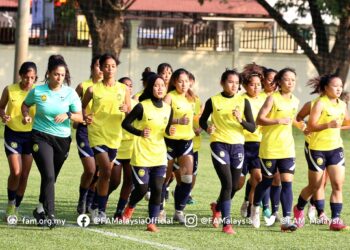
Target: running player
85	152
123	162
56	105
152	119
17	137
252	77
110	101
326	149
230	114
277	145
180	145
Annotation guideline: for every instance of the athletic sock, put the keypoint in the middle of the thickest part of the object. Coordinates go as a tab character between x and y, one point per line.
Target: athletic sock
275	194
261	189
336	209
287	198
301	203
319	205
182	192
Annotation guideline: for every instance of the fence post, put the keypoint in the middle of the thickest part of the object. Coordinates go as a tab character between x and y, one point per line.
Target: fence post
237	31
274	37
133	54
22	38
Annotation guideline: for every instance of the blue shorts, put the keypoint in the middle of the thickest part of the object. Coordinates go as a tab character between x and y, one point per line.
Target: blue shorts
195	164
322	159
112	152
269	166
17	142
251	157
227	154
83	144
142	175
177	148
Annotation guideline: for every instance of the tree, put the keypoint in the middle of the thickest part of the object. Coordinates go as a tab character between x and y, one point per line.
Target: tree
105	21
325	59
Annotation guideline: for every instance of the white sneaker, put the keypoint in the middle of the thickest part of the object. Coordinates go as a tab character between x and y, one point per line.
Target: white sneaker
244	209
95	216
103	217
162	216
255	216
179	217
148	195
311	212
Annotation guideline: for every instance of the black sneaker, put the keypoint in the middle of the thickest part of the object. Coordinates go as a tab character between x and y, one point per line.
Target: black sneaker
50	221
39	217
81	208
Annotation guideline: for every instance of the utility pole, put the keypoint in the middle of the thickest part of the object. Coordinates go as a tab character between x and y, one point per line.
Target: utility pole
22	37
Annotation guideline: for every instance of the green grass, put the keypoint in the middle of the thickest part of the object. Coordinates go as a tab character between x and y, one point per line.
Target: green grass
200	237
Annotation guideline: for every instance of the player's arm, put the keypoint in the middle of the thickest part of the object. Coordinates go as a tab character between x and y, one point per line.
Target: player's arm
3	102
315	115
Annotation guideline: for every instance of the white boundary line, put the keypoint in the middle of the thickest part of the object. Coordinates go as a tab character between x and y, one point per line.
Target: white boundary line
121	236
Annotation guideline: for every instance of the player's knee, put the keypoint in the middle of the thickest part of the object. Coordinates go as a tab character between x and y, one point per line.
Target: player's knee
187	179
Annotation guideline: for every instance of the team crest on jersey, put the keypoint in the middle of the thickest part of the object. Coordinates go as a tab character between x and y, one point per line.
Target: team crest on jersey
119	97
82	144
14	145
268	164
222	154
165	120
141	173
35	147
319	161
43	98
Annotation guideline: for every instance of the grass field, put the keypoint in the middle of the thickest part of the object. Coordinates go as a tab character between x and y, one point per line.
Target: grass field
170	236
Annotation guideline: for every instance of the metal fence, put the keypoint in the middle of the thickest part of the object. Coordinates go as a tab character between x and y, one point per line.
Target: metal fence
270	40
58	35
186	36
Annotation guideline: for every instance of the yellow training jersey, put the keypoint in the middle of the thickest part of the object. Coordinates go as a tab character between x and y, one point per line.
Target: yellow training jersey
328	139
107	118
197	114
255	104
277	140
228	129
151	152
181	106
307	137
138	94
125	149
16	97
85	85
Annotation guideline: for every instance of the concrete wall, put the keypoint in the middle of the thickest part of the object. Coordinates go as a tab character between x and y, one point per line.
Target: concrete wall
207	66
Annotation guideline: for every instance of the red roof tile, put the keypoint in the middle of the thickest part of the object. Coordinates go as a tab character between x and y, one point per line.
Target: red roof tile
232	7
9	3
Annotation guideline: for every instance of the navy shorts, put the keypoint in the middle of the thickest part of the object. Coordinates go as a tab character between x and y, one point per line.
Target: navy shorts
322	159
112	152
83	144
177	148
142	175
195	164
227	154
17	142
251	157
306	153
269	166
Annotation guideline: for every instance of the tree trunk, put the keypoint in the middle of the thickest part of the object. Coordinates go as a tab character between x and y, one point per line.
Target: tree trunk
107	36
105	21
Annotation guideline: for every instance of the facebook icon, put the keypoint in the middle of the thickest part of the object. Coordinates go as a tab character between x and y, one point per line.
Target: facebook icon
83	220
